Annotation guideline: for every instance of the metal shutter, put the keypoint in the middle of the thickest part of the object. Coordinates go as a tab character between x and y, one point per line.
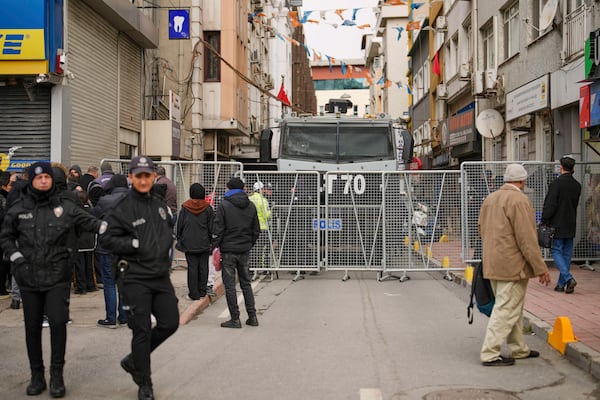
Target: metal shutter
92	57
130	61
25	121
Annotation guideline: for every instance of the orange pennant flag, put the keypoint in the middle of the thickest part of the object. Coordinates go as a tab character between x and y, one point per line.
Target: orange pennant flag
369	80
388	83
294	17
339	12
413	25
316	55
364	26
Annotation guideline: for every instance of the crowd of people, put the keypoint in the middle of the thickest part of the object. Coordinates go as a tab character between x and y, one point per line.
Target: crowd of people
67	232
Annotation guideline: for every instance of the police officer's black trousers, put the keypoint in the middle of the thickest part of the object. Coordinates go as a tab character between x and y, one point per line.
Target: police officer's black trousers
55	303
145	297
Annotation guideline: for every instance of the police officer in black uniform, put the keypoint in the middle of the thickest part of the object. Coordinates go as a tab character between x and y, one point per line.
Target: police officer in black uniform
140	233
36	235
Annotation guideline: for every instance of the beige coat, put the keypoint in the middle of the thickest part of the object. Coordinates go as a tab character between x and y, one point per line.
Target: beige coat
507	228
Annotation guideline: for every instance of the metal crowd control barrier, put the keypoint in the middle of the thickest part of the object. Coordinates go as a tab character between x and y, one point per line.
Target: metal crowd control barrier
422	224
481	178
290	242
385	222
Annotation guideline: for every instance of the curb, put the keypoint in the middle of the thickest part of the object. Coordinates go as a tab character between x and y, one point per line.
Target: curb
197	306
577	353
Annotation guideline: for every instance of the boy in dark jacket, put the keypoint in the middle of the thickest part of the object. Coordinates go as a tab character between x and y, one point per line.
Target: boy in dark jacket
235	231
194	235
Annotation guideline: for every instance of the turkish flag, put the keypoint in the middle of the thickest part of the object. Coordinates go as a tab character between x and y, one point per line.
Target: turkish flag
436	64
283	96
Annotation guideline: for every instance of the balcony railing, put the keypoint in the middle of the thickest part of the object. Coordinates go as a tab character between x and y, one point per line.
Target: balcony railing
576	32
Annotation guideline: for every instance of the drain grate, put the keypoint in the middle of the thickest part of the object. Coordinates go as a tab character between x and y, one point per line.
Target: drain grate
469	394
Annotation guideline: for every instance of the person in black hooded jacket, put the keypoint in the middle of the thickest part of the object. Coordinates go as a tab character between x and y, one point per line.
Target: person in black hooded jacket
194	236
37	236
235	231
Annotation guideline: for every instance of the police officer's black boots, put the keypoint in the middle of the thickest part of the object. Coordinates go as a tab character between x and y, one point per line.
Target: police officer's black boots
145	391
38	382
57	385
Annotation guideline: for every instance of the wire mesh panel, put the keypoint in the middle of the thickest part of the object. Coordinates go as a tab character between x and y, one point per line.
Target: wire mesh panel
288	240
422	220
353	221
213	175
482	178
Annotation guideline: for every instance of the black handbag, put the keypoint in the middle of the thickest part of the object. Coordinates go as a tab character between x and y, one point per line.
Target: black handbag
545	235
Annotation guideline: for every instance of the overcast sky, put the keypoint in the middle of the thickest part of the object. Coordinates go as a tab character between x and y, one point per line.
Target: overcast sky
343	42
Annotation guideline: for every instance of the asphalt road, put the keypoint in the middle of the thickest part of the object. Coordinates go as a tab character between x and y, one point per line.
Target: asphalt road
319	338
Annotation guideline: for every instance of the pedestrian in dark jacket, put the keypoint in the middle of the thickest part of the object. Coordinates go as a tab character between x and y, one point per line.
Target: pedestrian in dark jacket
140	233
560	212
235	231
37	237
117	189
194	236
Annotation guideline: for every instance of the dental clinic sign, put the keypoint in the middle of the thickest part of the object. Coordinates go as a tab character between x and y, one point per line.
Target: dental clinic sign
179	24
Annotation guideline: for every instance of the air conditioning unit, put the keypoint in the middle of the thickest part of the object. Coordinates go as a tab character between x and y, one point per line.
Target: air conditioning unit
440	22
254	57
490	76
465	72
442	91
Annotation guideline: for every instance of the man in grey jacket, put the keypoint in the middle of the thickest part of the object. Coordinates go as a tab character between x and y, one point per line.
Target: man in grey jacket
511	256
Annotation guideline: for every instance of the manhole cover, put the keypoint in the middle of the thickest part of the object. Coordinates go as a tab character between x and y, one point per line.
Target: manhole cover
469	394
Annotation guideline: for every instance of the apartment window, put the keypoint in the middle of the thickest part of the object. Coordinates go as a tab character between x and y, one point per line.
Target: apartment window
464	45
511	30
572	5
212	63
454	55
426	77
489	56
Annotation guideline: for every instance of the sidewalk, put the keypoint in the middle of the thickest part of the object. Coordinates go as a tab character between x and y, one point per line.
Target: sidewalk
543	305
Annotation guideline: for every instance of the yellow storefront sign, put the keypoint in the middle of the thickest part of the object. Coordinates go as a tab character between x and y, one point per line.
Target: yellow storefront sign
22	44
22	52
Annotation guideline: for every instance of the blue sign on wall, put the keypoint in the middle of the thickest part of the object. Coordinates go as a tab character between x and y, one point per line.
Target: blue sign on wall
595	104
179	24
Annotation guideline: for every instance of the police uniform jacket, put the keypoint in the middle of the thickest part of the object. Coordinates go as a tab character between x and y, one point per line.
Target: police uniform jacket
560	206
507	228
37	236
236	226
140	231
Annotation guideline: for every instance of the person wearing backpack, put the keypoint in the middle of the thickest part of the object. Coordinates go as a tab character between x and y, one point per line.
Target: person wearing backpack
511	257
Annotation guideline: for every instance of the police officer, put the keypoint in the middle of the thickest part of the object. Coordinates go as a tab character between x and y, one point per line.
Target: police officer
140	233
37	237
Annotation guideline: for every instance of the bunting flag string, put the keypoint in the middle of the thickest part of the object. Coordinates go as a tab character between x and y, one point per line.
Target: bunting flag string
345	69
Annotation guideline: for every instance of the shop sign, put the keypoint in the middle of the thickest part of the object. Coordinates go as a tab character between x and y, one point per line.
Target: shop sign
527	99
461	127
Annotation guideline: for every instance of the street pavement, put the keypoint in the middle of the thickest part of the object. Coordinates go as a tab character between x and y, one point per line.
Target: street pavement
319	338
543	306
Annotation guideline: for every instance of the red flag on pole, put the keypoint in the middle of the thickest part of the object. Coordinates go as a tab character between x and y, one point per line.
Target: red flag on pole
283	96
436	65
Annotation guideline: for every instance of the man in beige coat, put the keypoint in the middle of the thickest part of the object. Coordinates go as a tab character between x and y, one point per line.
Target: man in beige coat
511	256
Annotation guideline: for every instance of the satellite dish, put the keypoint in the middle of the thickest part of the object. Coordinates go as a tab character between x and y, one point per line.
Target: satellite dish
489	123
548	13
